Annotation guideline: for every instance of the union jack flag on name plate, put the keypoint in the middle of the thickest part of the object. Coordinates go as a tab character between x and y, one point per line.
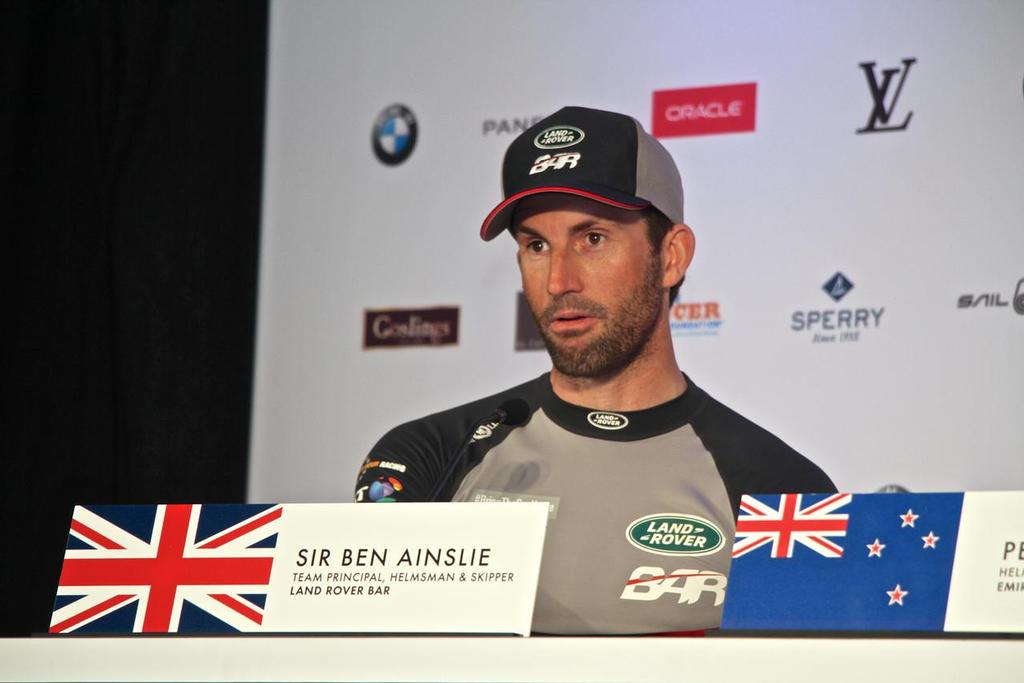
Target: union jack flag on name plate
166	568
880	561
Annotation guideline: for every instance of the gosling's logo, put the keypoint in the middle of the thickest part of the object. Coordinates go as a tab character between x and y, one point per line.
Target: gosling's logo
609	421
667	533
558	137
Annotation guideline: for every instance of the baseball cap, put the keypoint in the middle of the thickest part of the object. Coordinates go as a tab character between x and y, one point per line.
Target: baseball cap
600	155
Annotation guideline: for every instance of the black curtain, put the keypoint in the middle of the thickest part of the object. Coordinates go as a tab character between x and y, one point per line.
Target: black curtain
131	139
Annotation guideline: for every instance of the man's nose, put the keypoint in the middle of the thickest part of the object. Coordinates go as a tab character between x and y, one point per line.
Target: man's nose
563	275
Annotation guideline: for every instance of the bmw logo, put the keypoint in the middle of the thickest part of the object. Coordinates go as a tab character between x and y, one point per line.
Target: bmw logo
394	134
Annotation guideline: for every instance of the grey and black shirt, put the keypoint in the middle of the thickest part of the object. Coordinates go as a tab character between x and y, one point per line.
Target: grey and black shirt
642	503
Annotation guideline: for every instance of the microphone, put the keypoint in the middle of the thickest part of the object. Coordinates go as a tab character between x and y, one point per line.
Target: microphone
512	412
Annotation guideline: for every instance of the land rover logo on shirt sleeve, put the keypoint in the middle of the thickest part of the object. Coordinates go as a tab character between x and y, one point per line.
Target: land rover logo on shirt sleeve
667	533
557	137
606	420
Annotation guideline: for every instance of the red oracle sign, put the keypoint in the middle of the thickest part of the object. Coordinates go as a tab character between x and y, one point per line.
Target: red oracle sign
705	111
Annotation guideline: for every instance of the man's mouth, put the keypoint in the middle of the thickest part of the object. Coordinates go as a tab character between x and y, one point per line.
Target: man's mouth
571	322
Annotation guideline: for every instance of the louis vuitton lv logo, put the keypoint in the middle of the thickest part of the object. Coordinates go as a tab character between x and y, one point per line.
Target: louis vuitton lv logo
884	106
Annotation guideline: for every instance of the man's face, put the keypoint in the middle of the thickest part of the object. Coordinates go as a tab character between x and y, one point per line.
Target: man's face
592	281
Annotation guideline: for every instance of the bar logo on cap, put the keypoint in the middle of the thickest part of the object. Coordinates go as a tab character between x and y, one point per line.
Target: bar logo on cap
557	162
557	137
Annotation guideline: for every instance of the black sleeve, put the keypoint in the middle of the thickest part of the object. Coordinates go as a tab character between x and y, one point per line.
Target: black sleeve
406	463
751	460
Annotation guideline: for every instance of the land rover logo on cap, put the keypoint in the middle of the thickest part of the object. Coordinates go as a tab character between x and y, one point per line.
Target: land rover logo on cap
605	420
557	137
668	533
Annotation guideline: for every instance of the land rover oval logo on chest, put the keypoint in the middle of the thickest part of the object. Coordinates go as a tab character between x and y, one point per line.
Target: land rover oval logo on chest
667	533
605	420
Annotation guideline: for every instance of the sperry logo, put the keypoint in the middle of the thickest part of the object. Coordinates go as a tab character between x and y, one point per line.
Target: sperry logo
881	112
610	421
837	286
557	162
558	137
672	534
837	324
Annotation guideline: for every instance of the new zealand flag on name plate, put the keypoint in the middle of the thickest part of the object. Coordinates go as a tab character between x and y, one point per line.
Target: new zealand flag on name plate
166	568
843	562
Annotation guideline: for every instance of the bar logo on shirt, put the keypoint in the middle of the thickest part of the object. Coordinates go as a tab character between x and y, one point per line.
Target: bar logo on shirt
690	585
674	534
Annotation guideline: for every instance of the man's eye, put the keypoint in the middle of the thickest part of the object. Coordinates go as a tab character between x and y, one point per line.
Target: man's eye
536	246
594	238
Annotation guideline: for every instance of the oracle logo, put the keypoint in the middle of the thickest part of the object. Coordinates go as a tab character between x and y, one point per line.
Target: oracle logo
708	110
705	111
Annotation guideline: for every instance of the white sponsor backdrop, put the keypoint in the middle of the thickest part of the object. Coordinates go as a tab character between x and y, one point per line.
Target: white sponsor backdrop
932	399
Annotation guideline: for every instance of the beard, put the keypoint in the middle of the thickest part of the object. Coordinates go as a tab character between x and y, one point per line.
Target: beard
627	334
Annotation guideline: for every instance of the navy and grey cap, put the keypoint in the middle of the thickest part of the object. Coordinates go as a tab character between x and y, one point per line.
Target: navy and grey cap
600	155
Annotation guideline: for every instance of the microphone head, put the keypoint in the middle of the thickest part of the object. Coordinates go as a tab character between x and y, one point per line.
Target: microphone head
514	412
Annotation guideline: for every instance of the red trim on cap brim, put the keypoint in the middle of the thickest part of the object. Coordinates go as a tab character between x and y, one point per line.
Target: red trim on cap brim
540	190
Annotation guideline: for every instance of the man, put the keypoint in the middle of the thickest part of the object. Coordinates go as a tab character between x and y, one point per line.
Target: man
642	470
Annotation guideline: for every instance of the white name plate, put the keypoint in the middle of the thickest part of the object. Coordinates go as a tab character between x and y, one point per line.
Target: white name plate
987	590
408	568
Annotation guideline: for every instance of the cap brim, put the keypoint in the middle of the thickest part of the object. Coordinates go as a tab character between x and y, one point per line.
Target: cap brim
500	217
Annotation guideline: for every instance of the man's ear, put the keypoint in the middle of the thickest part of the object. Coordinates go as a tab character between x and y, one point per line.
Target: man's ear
676	253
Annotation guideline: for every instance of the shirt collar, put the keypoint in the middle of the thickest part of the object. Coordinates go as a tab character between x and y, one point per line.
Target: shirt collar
622	425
